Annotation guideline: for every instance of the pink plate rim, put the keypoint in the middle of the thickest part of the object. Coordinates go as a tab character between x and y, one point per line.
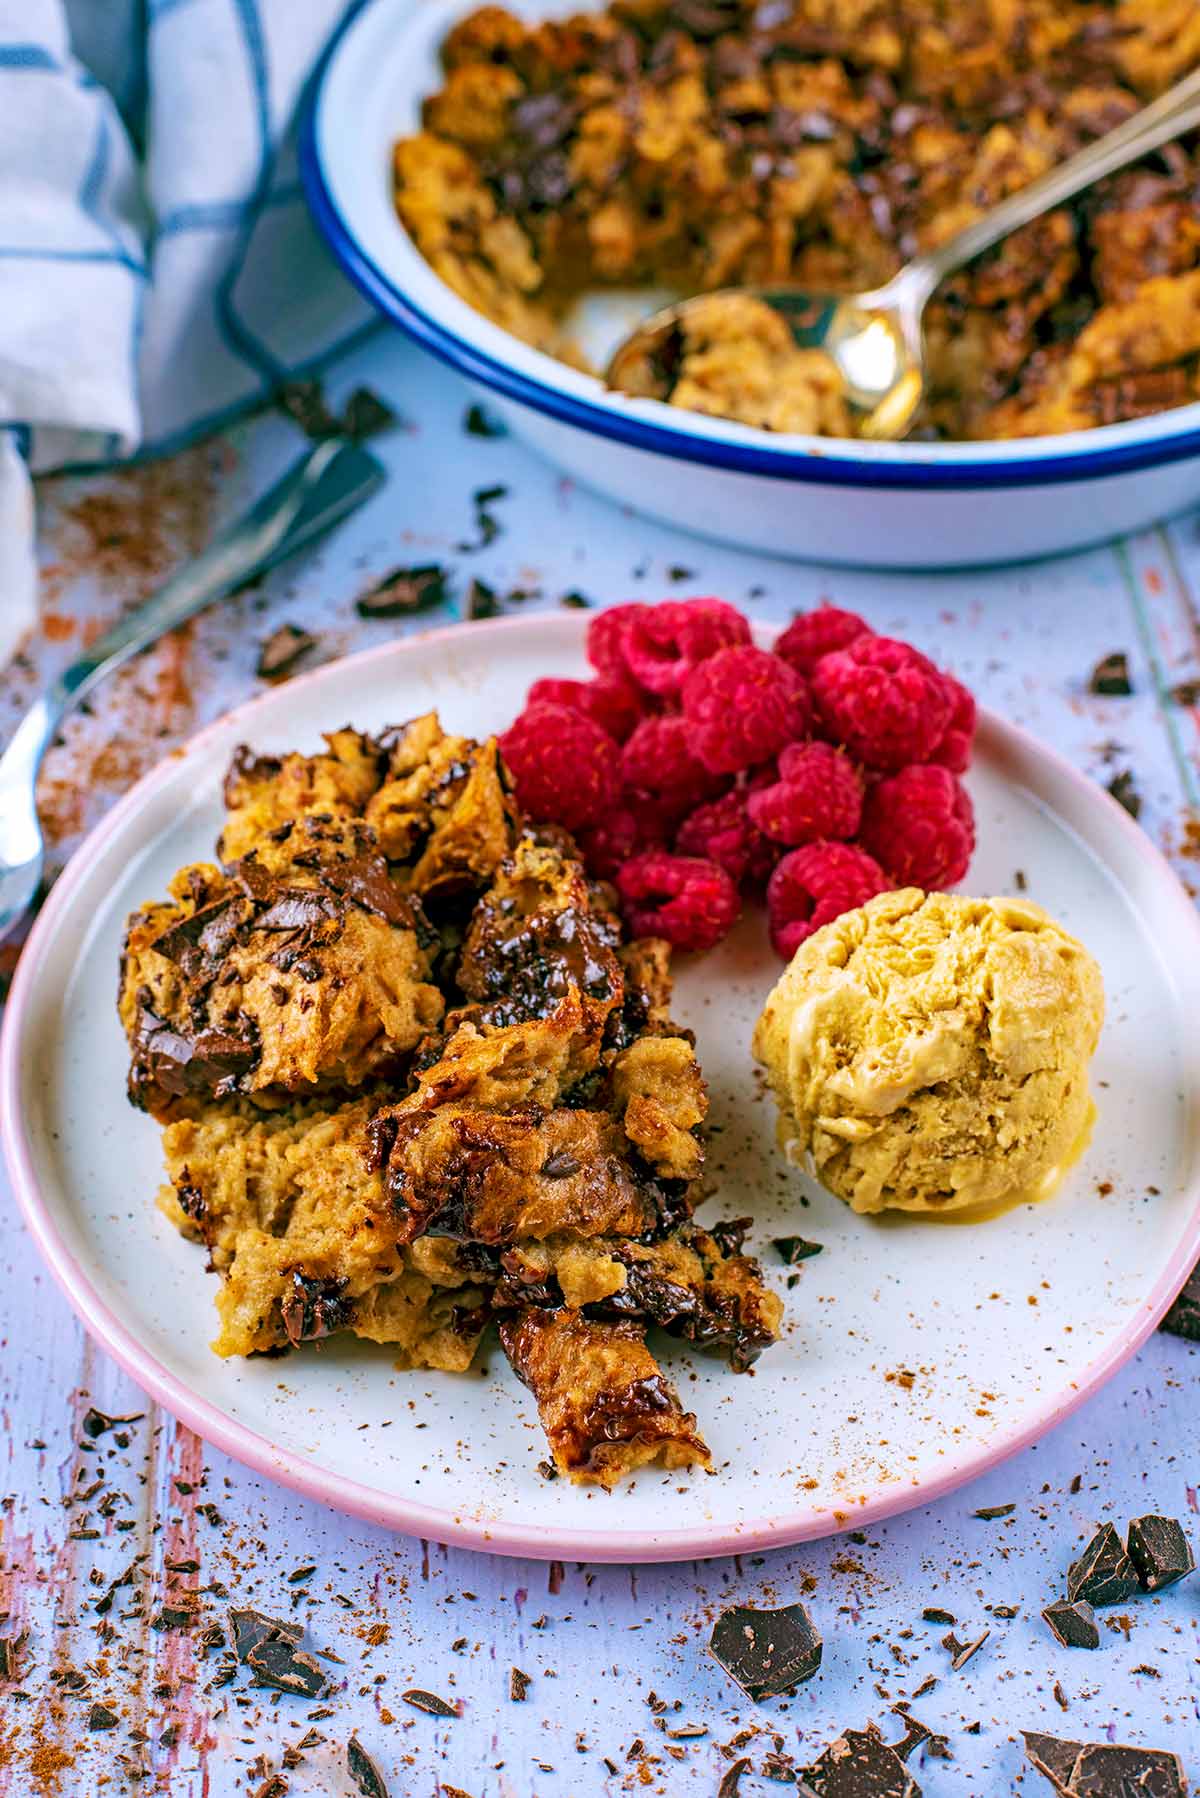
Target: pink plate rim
429	1522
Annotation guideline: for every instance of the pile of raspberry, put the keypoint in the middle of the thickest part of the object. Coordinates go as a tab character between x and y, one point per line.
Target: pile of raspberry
695	769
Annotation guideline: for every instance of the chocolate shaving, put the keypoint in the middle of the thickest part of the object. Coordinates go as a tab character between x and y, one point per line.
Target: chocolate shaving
404	592
101	1717
932	1614
95	1423
731	1778
10	1654
1186	693
1159	1551
429	1701
990	1512
481	601
363	1771
366	415
280	652
250	1628
1124	790
518	1685
479	423
1073	1624
766	1652
962	1652
1110	676
794	1249
1103	1574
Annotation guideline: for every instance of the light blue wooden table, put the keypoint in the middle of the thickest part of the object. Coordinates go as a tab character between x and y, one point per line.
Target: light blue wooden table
603	1646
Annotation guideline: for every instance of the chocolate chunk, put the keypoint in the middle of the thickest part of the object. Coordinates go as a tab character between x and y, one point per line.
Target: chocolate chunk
95	1423
281	651
101	1717
1160	1552
915	1733
10	1654
429	1701
178	1065
932	1614
1183	1319
297	908
1073	1624
273	1786
1186	693
366	415
404	591
518	1685
860	1764
1123	788
990	1512
250	1628
477	422
314	1307
1105	1770
366	880
794	1249
304	402
1110	676
1103	1574
363	1771
766	1652
278	1663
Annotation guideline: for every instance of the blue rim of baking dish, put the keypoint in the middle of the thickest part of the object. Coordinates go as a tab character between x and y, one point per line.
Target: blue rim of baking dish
829	467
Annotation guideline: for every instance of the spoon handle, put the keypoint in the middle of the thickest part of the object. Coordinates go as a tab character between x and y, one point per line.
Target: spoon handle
1166	118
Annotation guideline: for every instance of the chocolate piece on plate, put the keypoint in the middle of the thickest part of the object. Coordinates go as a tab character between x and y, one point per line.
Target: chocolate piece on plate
1103	1574
794	1249
860	1764
1160	1552
282	650
1105	1769
1073	1624
766	1652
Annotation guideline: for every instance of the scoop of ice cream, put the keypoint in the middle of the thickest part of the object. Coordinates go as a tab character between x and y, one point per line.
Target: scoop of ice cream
930	1052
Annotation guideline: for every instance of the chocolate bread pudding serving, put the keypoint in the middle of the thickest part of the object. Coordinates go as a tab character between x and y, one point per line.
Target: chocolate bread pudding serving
414	1081
700	144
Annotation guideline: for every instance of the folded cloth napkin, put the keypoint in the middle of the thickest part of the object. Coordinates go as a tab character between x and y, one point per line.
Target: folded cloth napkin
158	269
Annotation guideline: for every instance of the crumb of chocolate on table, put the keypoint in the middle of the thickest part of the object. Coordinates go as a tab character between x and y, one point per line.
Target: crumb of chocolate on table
1183	1319
1123	788
766	1652
1103	1574
273	1786
794	1249
962	1652
934	1614
1160	1552
575	601
486	522
480	601
987	1513
404	591
860	1764
518	1685
363	1772
679	572
547	1470
1185	693
429	1701
731	1778
279	653
96	1423
1074	1625
1110	676
365	414
478	422
1021	881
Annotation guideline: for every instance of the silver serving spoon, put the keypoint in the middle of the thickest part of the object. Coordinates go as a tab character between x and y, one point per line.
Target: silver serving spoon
875	338
330	481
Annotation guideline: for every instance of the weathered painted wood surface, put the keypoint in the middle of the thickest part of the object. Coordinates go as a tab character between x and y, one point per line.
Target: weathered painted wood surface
605	1648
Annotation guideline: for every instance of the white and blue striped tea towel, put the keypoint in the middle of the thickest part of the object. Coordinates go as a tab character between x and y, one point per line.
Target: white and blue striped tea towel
158	270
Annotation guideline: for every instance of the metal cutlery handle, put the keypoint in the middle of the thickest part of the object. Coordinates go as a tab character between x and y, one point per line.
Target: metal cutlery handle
1174	112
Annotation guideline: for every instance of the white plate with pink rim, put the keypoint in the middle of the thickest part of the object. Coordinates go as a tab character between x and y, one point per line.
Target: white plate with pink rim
1003	1327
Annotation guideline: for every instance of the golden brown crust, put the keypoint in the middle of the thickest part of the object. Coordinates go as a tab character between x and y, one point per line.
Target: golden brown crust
603	1401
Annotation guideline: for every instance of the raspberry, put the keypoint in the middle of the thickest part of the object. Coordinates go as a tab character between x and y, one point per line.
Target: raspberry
564	767
614	705
954	750
812	635
818	795
606	635
626	829
883	700
659	759
742	706
920	826
814	885
692	903
664	643
722	832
